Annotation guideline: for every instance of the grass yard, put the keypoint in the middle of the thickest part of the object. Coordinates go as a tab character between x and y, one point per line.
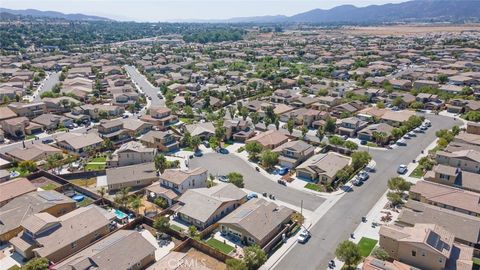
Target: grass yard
29	137
227	144
84	182
417	172
187	121
476	264
176	228
314	187
85	202
49	186
371	144
188	148
219	245
95	166
99	159
366	246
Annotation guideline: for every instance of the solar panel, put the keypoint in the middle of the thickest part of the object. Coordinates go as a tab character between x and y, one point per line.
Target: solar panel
435	241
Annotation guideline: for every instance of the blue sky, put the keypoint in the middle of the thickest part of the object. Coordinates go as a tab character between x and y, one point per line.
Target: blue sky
171	10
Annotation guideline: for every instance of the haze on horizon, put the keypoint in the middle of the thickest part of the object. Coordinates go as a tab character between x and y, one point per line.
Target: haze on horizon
183	10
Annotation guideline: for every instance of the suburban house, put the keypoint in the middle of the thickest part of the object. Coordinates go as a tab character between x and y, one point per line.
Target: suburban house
79	143
33	152
418	84
160	117
30	110
14	188
135	127
322	167
257	221
203	130
293	153
237	128
134	176
113	130
203	207
164	141
454	176
396	118
55	238
23	206
131	153
372	263
466	228
350	126
467	160
50	121
425	246
368	133
124	249
446	197
270	139
19	127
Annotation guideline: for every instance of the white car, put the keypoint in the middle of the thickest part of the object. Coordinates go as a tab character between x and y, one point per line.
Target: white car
402	169
303	237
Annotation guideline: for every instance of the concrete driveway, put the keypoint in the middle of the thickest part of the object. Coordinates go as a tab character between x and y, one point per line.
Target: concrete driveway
218	164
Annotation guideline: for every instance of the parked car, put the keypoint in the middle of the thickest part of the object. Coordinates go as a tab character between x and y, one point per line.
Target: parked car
47	141
371	166
402	169
345	137
412	134
357	182
363	142
417	130
223	178
427	123
363	175
198	153
283	171
125	116
401	142
251	196
423	127
223	151
303	237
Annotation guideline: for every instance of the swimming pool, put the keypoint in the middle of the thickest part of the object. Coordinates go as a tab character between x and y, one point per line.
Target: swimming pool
78	197
119	214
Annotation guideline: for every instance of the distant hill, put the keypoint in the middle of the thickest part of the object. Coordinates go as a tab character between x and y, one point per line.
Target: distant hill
51	14
411	11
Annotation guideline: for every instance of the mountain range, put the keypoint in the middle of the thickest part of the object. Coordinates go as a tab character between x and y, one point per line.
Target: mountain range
411	11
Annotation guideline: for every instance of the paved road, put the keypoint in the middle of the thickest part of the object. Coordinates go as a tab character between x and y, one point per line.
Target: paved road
47	85
145	86
342	219
218	164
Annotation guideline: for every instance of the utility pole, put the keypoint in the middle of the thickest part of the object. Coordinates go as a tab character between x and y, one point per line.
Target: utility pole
301	207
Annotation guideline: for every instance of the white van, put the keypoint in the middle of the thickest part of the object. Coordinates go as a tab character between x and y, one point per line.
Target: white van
371	166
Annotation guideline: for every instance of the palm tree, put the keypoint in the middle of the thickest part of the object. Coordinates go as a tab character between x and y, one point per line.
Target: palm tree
135	201
379	137
121	197
160	163
102	192
195	142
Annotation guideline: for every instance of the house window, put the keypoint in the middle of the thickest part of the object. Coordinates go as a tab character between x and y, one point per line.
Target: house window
414	253
444	176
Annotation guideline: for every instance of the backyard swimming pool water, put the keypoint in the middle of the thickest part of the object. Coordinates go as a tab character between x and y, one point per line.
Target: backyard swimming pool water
119	214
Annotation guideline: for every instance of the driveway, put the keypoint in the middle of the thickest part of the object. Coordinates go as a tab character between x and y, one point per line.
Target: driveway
218	164
145	86
344	217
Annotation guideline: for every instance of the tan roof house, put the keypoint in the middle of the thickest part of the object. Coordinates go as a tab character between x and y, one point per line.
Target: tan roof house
466	160
34	152
270	139
14	188
164	141
134	176
293	153
322	167
131	153
79	143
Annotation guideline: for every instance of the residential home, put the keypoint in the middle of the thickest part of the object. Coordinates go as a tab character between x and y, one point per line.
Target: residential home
396	118
467	160
257	221
79	143
50	121
131	153
368	133
60	104
282	96
203	130
113	130
466	228
4	176
30	110
23	206
401	84
350	126
56	238
135	127
164	141
346	109
302	116
14	188
160	117
473	128
203	207
418	84
133	176
99	111
322	167
6	113
124	249
293	153
235	126
270	139
372	263
467	138
33	152
425	246
461	80
19	127
454	176
448	197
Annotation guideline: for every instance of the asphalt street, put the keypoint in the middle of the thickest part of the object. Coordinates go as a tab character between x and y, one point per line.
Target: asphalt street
145	86
219	164
342	219
47	85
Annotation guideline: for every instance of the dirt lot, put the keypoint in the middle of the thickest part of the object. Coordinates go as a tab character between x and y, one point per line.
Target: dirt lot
410	29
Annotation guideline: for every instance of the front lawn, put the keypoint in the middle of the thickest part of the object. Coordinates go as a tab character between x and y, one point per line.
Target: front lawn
187	121
366	246
95	166
417	172
219	245
314	187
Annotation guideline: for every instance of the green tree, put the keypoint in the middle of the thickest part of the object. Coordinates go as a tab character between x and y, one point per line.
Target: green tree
442	78
192	231
397	133
253	149
236	179
27	166
254	257
161	202
349	253
195	142
351	145
107	144
135	202
233	264
379	137
102	191
121	197
336	140
160	163
426	163
255	117
161	223
269	158
380	254
398	184
320	133
290	125
36	264
304	131
394	198
330	125
360	159
380	104
244	113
